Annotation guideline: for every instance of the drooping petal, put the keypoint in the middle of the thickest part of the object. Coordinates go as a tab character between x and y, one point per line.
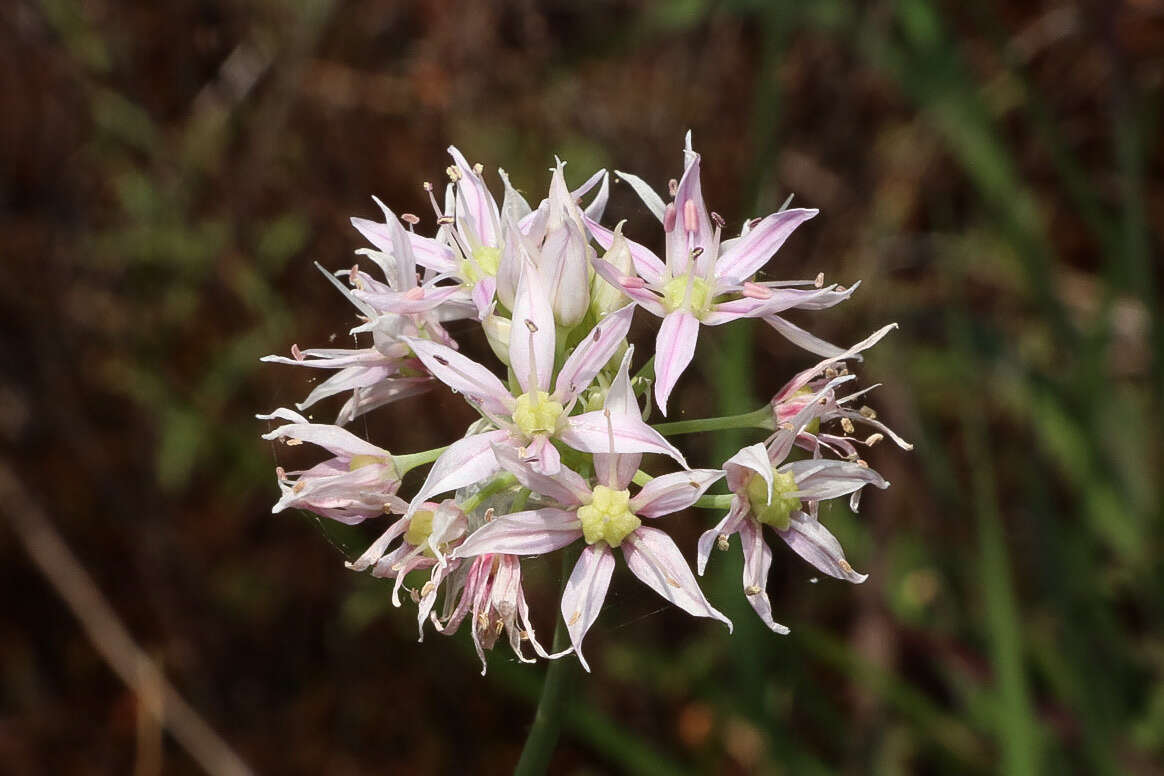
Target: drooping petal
757	562
739	468
673	492
805	377
334	439
801	338
647	264
813	542
652	556
824	478
590	432
465	462
531	337
479	203
592	353
463	375
585	591
753	250
674	349
532	532
376	550
567	487
652	200
726	527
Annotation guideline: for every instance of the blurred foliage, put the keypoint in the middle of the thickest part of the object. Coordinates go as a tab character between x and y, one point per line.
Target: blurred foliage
992	173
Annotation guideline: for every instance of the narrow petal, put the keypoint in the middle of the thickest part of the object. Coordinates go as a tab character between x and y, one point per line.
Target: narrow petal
653	557
673	492
566	273
754	249
647	264
674	349
680	242
592	353
531	337
567	487
483	292
805	377
376	550
597	206
652	200
813	542
801	338
757	562
533	532
646	298
585	591
590	433
824	479
467	461
726	527
543	457
513	204
734	309
463	375
334	439
479	203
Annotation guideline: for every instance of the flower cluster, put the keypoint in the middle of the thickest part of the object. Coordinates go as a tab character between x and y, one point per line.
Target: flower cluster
554	459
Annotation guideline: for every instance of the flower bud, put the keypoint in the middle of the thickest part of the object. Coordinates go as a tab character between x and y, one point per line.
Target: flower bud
605	298
497	335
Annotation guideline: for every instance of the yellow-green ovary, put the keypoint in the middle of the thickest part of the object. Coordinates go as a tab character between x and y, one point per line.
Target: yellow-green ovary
608	516
775	512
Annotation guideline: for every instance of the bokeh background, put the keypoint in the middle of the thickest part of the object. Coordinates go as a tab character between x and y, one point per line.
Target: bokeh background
991	171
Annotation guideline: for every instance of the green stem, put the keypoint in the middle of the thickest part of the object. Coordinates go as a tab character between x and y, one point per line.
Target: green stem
496	485
547	722
760	418
406	463
714	502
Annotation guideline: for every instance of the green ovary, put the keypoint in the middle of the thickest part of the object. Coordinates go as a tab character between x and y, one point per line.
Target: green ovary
419	529
775	512
608	516
675	295
486	261
535	413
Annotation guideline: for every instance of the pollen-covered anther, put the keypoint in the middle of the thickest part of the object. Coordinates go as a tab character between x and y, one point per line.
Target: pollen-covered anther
523	635
673	187
453	173
673	582
756	291
845	567
499	626
292	442
577	615
427	589
874	439
847	425
868	413
479	168
753	590
299	486
722	543
489	515
862	463
819	282
830	372
427	186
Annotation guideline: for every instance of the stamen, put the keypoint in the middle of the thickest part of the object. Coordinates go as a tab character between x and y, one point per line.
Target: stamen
445	220
756	291
669	218
819	282
453	173
847	425
410	219
296	353
868	412
721	542
479	168
690	222
673	187
612	473
874	439
292	442
717	219
532	387
753	590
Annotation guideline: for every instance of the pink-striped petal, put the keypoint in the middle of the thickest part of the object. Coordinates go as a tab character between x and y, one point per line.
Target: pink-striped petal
652	556
334	439
591	433
741	466
479	203
463	375
592	353
805	377
754	249
757	562
824	478
674	349
585	591
673	492
465	462
533	532
647	194
643	296
812	541
680	241
647	264
566	487
531	335
801	338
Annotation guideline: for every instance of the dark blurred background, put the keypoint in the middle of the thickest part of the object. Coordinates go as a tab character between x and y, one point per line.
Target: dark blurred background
990	171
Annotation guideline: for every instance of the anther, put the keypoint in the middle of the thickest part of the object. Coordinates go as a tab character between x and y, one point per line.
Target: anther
874	439
690	222
868	412
844	564
478	168
299	486
756	291
446	220
489	515
453	173
441	360
577	615
721	542
296	353
847	425
410	219
830	372
533	327
292	442
427	186
819	282
862	463
753	590
673	186
717	219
